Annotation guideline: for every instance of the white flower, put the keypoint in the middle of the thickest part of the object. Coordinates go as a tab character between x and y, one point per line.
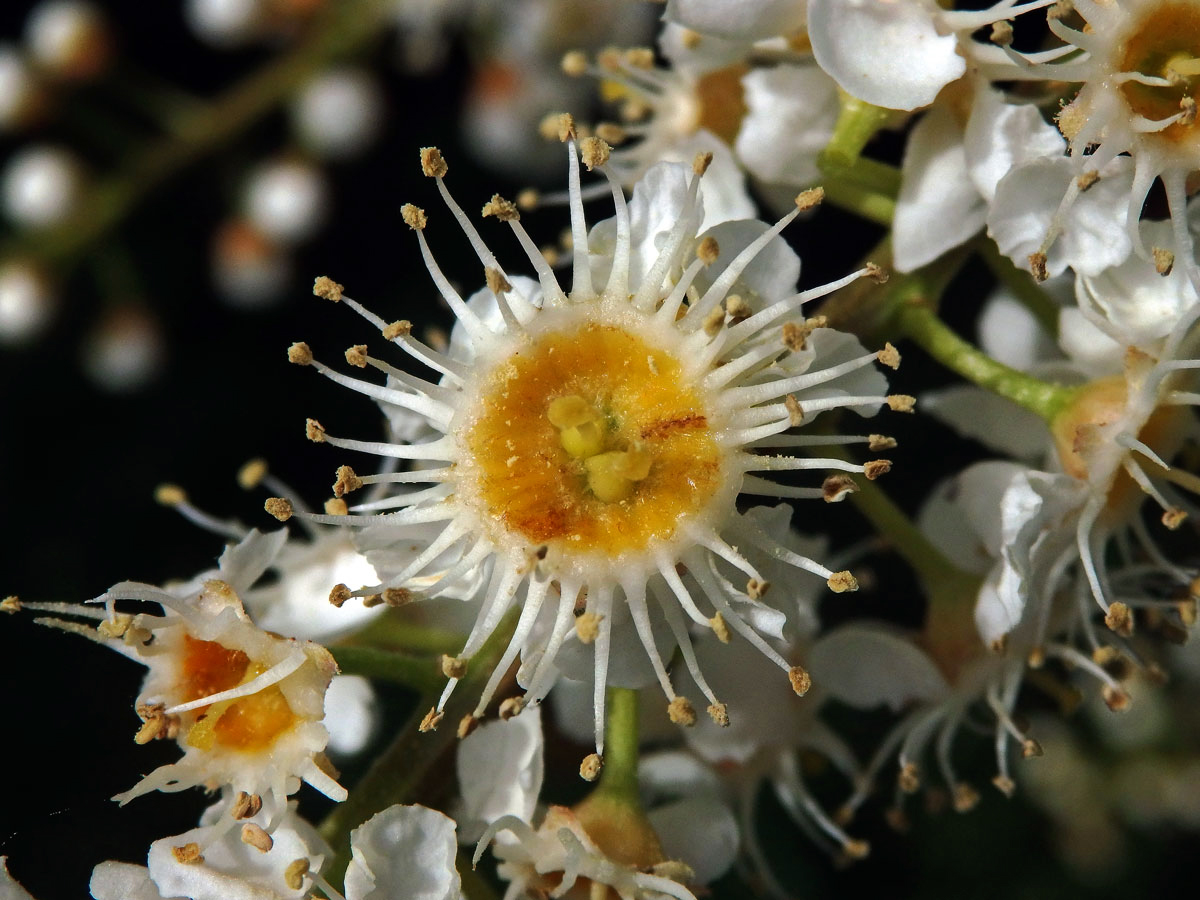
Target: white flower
9	889
593	442
404	852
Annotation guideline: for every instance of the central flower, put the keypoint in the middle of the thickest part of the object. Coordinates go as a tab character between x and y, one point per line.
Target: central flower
1164	49
591	441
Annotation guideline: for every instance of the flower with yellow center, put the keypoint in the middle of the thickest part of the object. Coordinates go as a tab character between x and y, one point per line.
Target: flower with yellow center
591	445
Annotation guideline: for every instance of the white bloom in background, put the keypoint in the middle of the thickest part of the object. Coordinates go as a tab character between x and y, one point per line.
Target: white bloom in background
404	852
743	20
41	186
339	113
27	302
598	439
20	94
225	23
500	767
68	39
287	200
249	269
125	350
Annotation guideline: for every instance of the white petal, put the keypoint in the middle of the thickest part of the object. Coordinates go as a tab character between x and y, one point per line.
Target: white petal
244	563
671	774
997	423
944	521
938	207
118	881
1090	349
770	276
747	20
404	851
791	112
350	713
9	889
1002	135
984	488
884	52
700	831
500	767
865	666
1011	334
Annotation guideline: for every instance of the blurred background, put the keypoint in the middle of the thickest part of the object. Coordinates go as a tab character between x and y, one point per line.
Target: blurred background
173	175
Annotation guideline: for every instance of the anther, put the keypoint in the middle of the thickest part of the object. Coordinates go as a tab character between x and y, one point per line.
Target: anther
251	474
246	806
836	488
587	627
639	58
878	442
414	217
840	582
904	403
566	127
300	354
169	495
1164	261
432	720
889	356
1005	785
314	431
327	289
466	725
876	467
188	854
496	281
574	63
504	210
719	713
800	679
345	481
257	837
909	778
1115	698
701	162
708	251
293	875
453	666
1002	33
611	132
397	596
1120	619
357	356
10	604
1173	518
339	594
681	712
594	152
432	163
1030	748
1087	180
589	769
278	507
720	629
1037	266
335	506
398	329
511	706
810	199
856	849
756	589
794	410
966	798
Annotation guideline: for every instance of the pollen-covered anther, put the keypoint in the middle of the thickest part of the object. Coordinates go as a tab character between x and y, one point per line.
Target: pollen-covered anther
810	199
877	273
1030	748
1002	33
156	724
245	806
10	604
590	768
453	666
878	442
1115	698
504	210
528	199
300	354
314	431
1004	785
1037	266
757	589
339	594
345	481
566	127
681	712
278	507
876	467
169	495
639	57
611	132
835	488
357	356
327	289
794	410
738	309
1187	109
414	217
335	506
594	152
251	474
966	798
1185	608
708	250
719	713
701	162
1164	261
856	849
257	837
904	403
714	321
397	596
398	329
720	628
841	582
1174	517
115	626
294	874
1119	619
432	720
800	679
433	165
496	281
188	854
909	778
574	63
511	706
1087	180
466	725
587	627
889	356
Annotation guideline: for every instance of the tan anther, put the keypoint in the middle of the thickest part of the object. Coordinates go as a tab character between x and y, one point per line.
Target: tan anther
966	798
757	589
909	778
876	467
1164	261
1187	106
1060	10
1005	785
188	854
611	132
327	289
339	594
432	720
720	628
1119	619
453	666
566	127
904	403
609	59
256	836
397	596
116	625
1087	179
589	769
681	712
708	251
251	474
357	356
496	281
889	356
840	582
856	849
504	210
878	442
314	431
372	600
294	874
1186	609
1030	748
345	481
1036	658
1106	655
800	679
897	820
587	627
999	645
714	321
433	165
278	507
1115	698
1037	266
170	495
511	706
246	806
794	336
810	199
10	604
719	713
336	506
466	725
1174	517
639	57
794	410
528	198
156	724
414	217
548	127
701	162
300	354
574	63
877	273
675	870
835	488
690	39
1002	33
594	152
739	310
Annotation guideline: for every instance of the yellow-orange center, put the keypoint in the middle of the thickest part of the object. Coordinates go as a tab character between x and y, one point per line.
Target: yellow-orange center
1165	44
249	723
533	487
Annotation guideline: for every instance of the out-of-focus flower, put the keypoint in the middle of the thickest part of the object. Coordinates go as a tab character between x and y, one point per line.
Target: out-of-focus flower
40	186
287	200
339	113
26	302
68	39
125	350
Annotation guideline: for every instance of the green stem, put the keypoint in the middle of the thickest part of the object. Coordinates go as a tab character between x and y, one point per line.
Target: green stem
618	778
1022	285
401	771
343	28
392	631
857	123
863	202
419	673
920	324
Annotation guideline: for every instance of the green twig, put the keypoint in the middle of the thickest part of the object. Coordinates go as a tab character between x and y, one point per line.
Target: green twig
857	123
419	673
619	776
